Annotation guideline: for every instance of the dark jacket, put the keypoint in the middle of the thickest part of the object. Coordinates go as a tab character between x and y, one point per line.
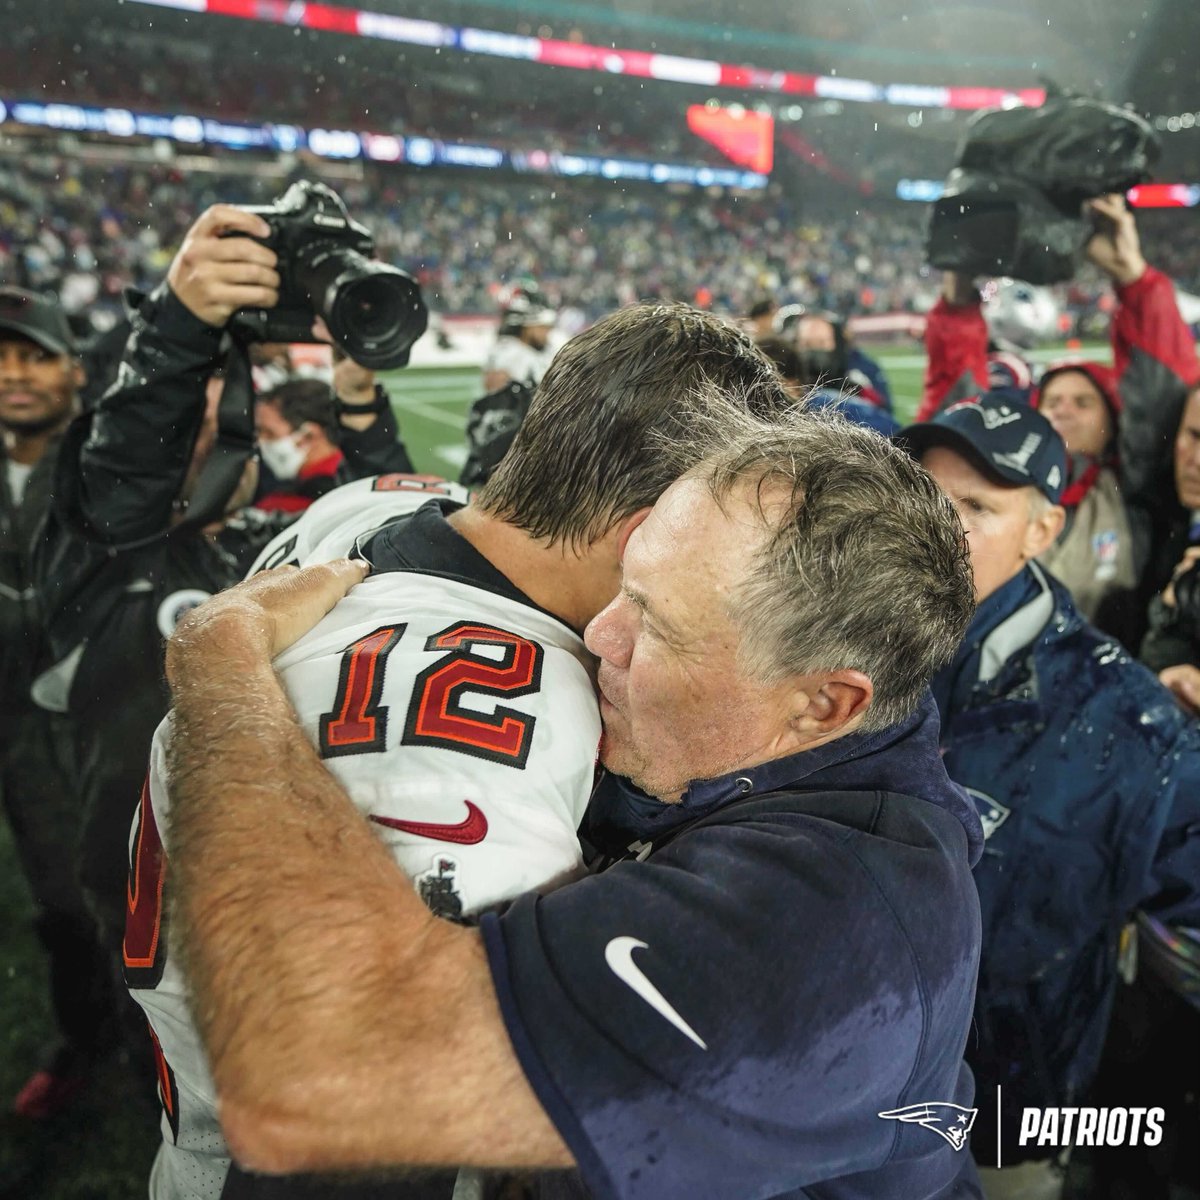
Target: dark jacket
21	637
806	937
115	578
1087	777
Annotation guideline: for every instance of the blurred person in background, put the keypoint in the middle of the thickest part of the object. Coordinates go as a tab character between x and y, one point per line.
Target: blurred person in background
1086	775
522	350
760	320
39	381
297	431
829	358
800	383
1172	642
1115	422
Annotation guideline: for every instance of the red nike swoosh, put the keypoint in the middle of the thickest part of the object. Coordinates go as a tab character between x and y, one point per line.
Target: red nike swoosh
465	833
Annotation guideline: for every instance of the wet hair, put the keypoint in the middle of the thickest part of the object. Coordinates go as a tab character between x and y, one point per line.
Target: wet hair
610	426
864	565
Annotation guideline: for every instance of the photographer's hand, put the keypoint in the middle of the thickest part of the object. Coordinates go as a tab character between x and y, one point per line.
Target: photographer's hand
212	276
1115	247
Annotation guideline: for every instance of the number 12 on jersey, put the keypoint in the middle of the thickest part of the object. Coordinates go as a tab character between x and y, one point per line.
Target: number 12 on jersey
437	715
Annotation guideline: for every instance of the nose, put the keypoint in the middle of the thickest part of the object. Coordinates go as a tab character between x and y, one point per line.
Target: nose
608	634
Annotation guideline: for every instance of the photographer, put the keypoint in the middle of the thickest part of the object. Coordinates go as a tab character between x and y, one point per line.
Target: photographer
1114	422
140	533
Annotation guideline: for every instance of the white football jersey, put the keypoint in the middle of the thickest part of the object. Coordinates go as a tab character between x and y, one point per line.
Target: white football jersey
462	722
518	360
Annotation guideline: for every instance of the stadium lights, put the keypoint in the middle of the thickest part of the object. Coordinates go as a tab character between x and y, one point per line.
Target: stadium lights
639	63
342	144
1146	195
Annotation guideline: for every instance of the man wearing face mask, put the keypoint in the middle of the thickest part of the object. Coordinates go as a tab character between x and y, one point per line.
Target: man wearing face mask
829	361
1086	776
296	431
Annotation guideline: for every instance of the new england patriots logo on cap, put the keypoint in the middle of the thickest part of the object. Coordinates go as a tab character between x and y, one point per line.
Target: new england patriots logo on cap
949	1121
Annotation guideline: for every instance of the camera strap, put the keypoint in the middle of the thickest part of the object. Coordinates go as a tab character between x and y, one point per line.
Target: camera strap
231	450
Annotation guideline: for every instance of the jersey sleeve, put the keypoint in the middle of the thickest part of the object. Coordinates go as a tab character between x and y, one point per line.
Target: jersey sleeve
720	1019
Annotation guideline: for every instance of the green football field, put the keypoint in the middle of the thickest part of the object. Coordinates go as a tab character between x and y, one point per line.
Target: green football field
102	1149
432	402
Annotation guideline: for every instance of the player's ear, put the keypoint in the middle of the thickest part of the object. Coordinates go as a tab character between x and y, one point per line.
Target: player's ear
626	528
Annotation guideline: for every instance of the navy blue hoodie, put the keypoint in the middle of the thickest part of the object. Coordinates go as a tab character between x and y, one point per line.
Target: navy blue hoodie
790	954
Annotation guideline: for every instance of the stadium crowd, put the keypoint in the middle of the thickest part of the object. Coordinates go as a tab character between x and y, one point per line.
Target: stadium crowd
88	231
1012	900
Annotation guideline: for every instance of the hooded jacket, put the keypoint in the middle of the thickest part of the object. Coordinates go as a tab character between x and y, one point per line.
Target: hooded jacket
1087	777
809	927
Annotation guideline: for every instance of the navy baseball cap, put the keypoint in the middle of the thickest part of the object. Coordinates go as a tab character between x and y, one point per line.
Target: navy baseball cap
1006	439
36	317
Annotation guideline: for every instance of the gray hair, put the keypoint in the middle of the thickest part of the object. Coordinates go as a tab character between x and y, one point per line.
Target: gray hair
865	564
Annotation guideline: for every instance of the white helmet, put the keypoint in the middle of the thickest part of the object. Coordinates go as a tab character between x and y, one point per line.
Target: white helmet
1020	313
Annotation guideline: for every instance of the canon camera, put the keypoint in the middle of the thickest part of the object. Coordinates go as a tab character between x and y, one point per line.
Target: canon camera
374	312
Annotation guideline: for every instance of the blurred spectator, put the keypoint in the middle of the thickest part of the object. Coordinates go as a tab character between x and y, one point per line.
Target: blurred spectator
1085	773
39	378
1172	644
760	320
522	351
297	432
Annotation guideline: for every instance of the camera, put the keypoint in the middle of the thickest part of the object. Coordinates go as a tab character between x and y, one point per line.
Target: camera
374	312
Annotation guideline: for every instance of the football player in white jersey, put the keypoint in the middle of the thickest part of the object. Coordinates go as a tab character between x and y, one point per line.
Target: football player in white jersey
457	668
523	350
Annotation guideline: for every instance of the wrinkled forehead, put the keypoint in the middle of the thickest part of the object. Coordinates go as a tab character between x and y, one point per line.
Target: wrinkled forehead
690	539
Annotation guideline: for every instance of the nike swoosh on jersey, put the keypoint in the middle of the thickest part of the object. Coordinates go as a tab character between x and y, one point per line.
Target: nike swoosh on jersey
619	956
465	833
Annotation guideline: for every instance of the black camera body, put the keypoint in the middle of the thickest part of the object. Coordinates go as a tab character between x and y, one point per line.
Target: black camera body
374	312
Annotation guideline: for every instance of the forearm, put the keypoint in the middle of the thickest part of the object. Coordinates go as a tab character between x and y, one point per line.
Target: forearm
956	341
340	1016
373	447
133	463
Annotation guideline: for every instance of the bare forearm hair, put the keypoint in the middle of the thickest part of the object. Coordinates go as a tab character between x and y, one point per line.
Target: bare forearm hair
345	1025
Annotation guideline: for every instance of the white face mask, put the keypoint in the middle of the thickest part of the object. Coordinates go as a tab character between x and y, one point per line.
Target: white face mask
283	458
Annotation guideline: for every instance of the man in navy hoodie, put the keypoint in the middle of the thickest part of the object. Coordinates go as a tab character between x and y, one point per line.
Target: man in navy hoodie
1086	775
765	985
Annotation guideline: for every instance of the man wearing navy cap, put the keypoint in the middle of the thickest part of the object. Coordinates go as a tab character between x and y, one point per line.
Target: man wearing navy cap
1085	774
39	378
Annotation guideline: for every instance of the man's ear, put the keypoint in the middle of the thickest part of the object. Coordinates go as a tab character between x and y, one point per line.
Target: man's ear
1043	530
626	528
824	706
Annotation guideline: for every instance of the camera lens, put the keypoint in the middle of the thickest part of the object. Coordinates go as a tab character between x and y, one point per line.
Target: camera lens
374	312
369	307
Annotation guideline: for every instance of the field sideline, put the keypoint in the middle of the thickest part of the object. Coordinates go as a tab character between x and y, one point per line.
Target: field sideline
431	402
102	1149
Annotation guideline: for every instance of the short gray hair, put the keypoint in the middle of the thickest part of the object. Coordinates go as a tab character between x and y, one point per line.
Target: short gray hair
865	565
